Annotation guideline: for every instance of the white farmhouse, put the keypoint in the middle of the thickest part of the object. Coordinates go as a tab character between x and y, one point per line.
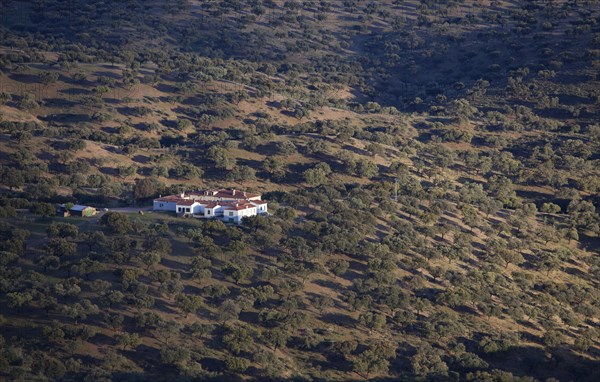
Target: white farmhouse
228	205
167	203
186	206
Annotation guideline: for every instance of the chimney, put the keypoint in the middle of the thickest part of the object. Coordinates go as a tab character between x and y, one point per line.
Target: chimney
234	191
183	194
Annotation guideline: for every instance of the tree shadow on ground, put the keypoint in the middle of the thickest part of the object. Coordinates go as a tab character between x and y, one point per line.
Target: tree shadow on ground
560	363
338	319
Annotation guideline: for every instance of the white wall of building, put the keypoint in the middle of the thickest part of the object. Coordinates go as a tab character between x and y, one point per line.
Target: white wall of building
198	208
233	216
164	206
183	209
261	208
213	212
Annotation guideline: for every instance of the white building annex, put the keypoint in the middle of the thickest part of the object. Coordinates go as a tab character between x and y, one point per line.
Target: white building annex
228	205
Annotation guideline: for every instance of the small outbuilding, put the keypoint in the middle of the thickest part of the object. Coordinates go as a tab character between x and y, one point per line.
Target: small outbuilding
62	211
85	211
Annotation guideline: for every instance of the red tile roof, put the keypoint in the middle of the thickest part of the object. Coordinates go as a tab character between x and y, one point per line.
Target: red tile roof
171	198
238	206
235	199
226	194
185	202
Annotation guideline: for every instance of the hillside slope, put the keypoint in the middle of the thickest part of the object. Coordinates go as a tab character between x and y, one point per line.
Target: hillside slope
431	168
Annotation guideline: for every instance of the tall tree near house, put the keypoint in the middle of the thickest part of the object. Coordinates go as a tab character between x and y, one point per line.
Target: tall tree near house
144	188
119	223
220	157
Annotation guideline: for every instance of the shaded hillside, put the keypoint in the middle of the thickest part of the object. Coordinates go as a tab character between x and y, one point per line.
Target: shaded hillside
431	169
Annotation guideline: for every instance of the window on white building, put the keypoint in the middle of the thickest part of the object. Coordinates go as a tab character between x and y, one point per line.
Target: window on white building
230	213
